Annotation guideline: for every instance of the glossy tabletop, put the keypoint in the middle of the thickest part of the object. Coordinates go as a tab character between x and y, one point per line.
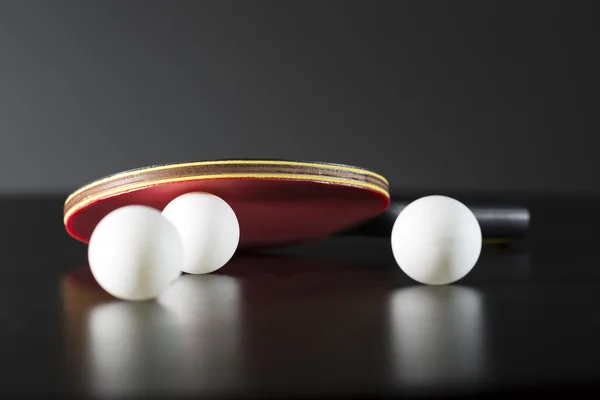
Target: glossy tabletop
336	318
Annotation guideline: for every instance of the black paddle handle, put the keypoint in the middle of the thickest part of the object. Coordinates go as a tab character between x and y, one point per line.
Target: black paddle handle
499	221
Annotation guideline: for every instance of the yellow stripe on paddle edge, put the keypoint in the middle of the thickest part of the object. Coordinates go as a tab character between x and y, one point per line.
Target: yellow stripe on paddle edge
222	162
139	185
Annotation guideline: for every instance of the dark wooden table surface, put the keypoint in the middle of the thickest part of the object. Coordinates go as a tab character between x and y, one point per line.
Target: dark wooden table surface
336	318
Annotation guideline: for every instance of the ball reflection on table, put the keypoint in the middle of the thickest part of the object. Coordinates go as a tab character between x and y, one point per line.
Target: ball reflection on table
437	336
186	340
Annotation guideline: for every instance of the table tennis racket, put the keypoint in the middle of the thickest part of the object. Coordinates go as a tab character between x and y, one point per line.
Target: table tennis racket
277	202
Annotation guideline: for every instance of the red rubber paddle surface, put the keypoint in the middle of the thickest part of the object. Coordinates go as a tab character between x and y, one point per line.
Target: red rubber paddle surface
271	212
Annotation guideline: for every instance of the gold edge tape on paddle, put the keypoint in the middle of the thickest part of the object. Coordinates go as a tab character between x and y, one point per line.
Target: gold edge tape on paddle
140	185
222	162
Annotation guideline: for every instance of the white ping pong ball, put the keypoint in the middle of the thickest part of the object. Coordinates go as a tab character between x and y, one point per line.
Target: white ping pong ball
135	253
208	228
436	240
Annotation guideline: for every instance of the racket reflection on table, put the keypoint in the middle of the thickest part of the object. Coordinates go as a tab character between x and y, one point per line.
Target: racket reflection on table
267	325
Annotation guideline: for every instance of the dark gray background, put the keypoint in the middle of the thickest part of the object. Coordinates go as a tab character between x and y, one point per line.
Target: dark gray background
440	95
